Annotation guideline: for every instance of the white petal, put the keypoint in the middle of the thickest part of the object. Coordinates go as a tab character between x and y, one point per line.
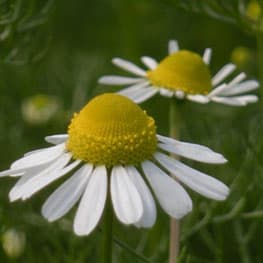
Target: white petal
243	99
126	200
243	87
143	94
118	80
134	88
18	190
241	76
191	151
67	195
35	151
166	93
230	89
172	47
92	203
56	139
15	192
179	94
23	171
146	95
197	181
149	62
223	73
47	176
198	98
32	162
247	98
149	209
39	158
219	89
229	101
129	66
171	195
207	56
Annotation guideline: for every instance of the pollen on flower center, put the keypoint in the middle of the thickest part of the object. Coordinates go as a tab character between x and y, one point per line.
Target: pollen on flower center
184	71
112	130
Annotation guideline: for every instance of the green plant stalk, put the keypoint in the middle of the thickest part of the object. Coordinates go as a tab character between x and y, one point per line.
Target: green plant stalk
174	122
106	251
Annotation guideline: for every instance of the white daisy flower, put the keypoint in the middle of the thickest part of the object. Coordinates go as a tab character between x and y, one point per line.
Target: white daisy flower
112	146
185	75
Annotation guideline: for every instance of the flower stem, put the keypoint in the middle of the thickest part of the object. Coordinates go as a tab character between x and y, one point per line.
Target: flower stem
174	223
106	252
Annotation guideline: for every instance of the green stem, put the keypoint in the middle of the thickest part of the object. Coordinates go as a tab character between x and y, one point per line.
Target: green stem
131	250
174	120
174	123
244	254
106	252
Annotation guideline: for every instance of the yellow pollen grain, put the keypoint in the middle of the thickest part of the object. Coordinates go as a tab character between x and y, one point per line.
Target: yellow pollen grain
112	130
184	71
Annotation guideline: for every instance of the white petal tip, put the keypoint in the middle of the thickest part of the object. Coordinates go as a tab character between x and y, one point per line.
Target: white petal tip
172	46
221	159
254	100
12	199
46	215
103	80
116	59
5	173
199	98
82	232
132	221
207	55
225	193
56	139
50	220
255	83
187	210
13	196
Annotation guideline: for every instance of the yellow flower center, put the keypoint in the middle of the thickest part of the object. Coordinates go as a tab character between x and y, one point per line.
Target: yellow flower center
184	71
112	130
253	10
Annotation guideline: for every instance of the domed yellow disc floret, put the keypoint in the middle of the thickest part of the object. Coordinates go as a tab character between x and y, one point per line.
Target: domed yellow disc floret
112	130
184	71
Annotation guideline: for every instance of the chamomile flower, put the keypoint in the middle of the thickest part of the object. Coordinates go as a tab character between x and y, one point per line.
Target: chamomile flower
185	75
112	146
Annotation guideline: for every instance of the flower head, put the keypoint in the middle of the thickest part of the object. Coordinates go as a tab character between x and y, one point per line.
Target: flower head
13	242
112	141
183	74
40	109
253	10
112	130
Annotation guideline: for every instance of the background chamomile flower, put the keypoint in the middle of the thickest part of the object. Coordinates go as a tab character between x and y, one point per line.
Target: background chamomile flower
40	109
253	10
244	58
14	243
183	74
112	144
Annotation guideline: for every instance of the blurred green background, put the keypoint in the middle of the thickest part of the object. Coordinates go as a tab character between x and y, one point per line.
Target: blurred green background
51	55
